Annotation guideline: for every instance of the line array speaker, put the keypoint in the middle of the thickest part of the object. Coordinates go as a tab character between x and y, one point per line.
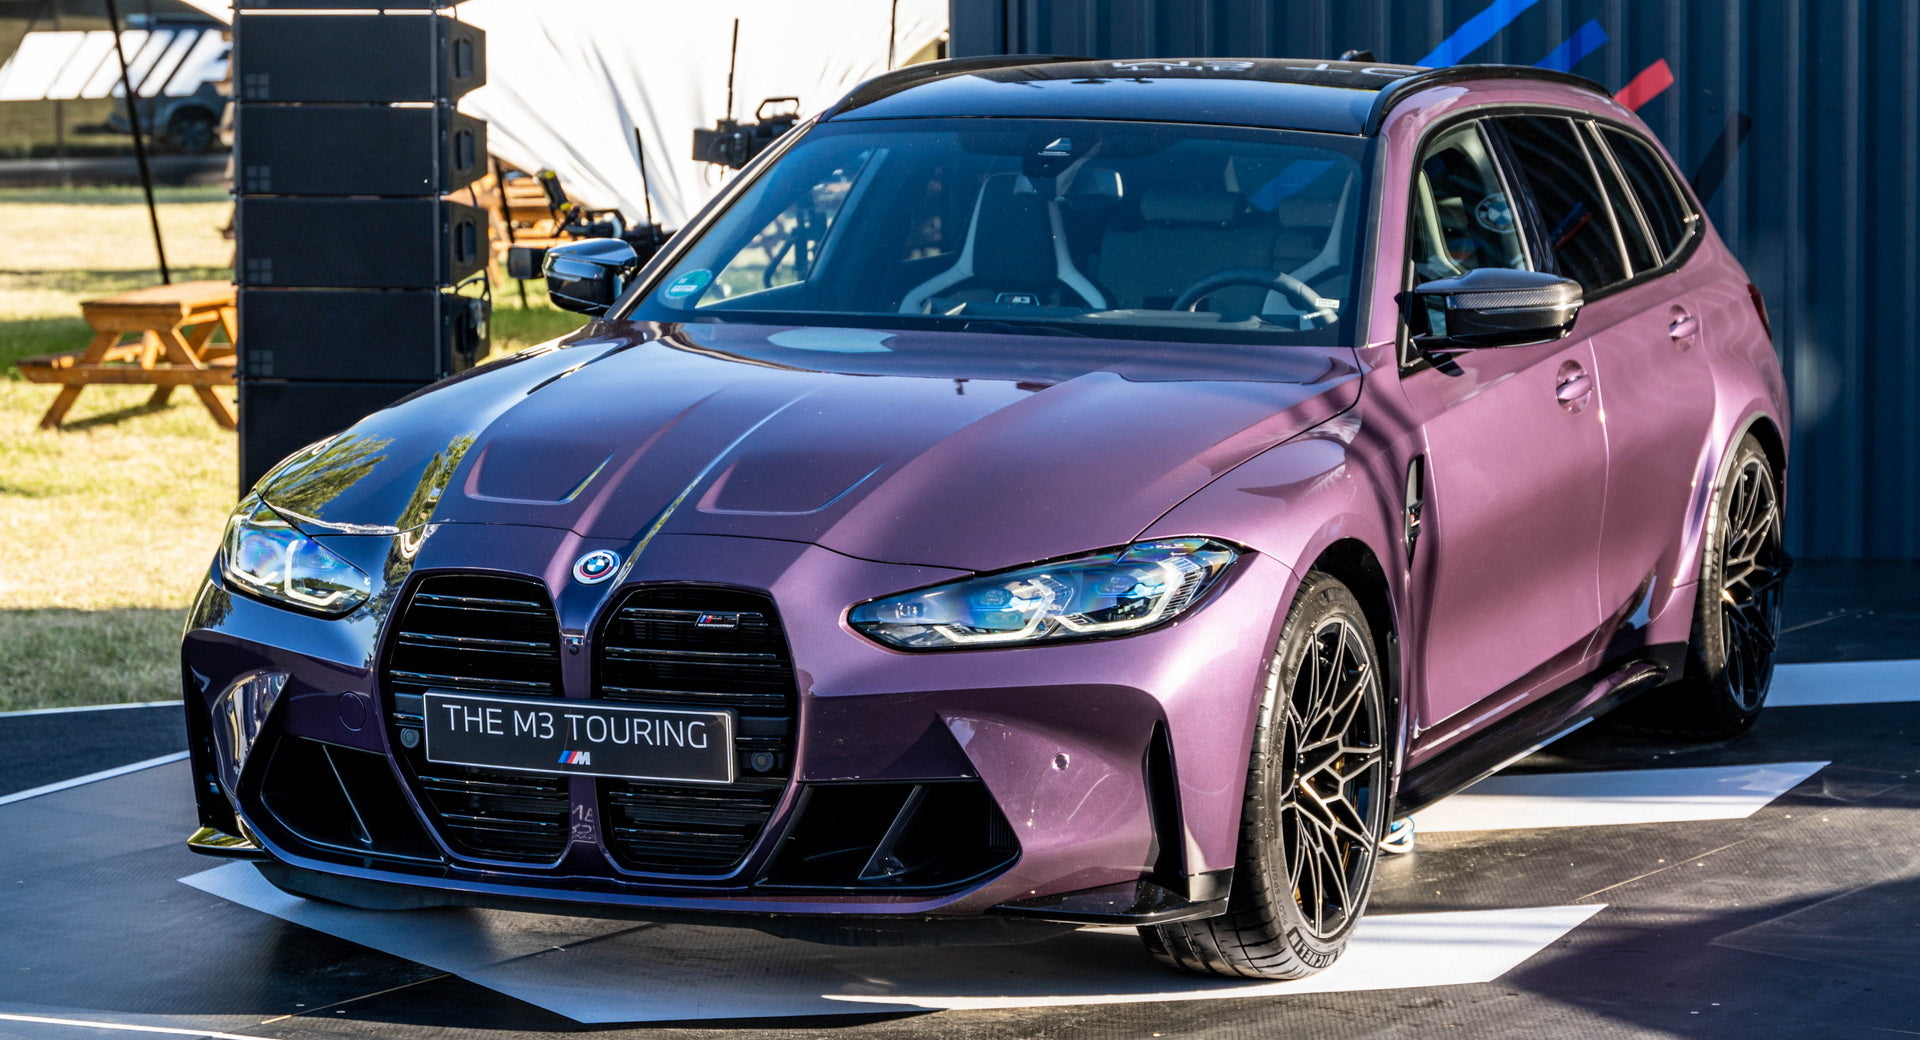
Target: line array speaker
364	58
349	252
356	150
358	243
279	417
369	334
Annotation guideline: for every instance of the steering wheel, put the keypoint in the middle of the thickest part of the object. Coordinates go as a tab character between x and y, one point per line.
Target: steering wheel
1285	284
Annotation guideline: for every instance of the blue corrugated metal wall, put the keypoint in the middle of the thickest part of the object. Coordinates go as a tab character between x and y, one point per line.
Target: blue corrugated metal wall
1821	199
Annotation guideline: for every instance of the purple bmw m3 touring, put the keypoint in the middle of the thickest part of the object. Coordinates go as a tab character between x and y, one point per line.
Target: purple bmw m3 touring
1033	494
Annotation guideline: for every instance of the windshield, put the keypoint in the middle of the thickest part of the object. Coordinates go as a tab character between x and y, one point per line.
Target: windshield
1102	228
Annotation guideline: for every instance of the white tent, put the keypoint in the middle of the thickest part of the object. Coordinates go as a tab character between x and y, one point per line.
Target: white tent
568	81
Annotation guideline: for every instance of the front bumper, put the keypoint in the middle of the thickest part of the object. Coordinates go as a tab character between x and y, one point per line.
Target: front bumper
1117	766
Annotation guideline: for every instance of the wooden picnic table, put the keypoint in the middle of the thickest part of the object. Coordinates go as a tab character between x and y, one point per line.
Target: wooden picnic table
172	328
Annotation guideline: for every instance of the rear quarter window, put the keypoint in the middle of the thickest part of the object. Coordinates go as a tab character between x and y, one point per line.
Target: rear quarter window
1670	216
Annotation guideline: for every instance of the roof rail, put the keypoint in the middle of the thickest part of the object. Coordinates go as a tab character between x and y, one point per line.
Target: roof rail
913	75
1393	93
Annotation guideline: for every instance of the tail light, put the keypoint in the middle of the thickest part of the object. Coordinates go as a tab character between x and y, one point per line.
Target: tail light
1760	307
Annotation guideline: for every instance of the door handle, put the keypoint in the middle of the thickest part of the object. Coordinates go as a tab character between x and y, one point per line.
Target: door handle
1682	326
1573	387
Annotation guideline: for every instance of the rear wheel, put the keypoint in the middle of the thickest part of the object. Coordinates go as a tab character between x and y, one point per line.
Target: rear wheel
1315	803
1736	623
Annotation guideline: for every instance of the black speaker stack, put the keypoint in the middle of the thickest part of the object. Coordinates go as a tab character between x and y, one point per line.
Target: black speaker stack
360	280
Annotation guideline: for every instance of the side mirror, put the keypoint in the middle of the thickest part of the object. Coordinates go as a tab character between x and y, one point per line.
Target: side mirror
589	275
1494	307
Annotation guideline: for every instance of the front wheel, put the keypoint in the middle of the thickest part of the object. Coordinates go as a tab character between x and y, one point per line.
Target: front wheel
1315	804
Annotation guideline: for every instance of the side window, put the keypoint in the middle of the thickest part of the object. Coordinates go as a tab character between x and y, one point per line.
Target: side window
1670	217
787	248
1462	219
1626	212
1574	220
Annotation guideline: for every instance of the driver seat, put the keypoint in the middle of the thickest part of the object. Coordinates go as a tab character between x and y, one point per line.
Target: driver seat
1015	253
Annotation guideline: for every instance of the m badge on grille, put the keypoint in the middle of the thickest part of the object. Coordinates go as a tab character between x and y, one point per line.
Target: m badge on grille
717	620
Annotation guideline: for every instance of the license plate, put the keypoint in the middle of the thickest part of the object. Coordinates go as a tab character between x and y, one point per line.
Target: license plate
583	738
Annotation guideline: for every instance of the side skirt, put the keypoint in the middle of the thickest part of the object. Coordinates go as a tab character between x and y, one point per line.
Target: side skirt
1538	722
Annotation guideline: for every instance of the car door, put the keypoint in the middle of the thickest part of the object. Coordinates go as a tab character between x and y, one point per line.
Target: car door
1510	490
1652	367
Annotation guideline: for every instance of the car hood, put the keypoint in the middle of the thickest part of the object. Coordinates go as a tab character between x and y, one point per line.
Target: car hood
948	449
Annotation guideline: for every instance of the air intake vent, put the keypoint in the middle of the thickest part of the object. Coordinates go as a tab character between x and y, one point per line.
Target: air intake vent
683	646
906	836
469	633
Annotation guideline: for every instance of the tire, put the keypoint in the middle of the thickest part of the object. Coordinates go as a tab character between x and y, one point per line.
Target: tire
193	131
1315	805
1736	622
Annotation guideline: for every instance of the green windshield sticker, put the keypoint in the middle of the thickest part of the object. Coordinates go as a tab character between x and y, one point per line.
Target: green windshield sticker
688	284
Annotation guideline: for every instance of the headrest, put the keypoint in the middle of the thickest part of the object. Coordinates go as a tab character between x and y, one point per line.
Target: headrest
1170	206
1012	233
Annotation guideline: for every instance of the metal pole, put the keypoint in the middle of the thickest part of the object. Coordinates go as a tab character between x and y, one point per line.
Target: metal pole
733	60
139	141
646	190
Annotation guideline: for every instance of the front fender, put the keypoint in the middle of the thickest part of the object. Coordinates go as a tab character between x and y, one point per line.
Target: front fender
1292	504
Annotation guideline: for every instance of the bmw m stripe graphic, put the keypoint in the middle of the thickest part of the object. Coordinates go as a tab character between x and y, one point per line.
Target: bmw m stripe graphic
1584	41
1648	84
576	758
1475	31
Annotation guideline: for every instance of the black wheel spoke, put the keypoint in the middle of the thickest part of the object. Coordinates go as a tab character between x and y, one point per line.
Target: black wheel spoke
1293	843
1336	872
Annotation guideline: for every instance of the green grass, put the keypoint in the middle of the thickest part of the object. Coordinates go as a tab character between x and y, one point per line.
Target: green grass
59	656
107	526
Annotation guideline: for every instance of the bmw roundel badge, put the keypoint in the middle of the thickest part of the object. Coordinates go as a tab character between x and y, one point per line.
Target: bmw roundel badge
595	567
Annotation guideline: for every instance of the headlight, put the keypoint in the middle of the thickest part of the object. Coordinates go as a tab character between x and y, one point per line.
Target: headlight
265	555
1103	594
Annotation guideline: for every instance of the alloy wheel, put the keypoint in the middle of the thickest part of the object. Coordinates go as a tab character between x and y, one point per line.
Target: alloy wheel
1753	571
1335	777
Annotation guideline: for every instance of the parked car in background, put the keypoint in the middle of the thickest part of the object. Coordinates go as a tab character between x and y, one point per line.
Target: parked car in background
1034	494
188	125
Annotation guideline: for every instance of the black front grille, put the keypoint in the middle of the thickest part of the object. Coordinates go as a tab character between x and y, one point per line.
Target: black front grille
706	648
469	633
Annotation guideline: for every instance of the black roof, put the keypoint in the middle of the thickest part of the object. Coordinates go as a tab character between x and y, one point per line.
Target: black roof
1343	97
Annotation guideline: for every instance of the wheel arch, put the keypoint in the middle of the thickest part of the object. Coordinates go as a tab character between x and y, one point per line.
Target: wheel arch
1765	430
1359	568
1715	457
1318	501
